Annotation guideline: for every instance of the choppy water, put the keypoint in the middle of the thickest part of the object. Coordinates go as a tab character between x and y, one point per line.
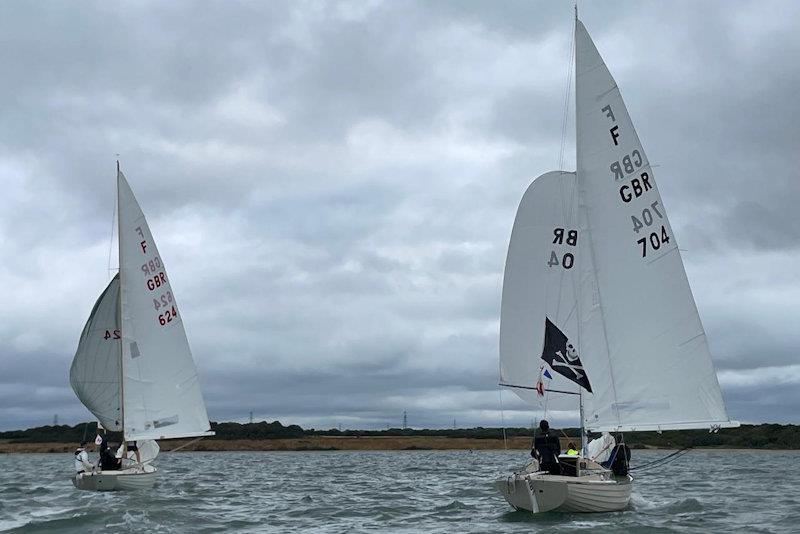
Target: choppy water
410	491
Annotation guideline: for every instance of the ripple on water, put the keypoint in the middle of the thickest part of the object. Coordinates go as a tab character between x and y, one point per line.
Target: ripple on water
410	491
684	506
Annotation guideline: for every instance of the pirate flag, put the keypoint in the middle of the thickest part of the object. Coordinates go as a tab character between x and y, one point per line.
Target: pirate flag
562	356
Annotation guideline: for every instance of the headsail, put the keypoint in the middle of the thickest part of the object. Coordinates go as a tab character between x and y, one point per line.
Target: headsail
162	397
95	374
540	283
659	372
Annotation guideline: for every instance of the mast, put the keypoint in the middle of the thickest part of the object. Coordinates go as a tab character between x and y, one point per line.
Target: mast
583	429
119	314
578	212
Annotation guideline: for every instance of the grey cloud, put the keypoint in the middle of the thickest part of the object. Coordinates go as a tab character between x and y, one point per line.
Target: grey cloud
332	187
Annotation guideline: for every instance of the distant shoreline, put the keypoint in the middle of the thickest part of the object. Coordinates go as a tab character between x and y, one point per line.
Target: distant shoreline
323	443
310	443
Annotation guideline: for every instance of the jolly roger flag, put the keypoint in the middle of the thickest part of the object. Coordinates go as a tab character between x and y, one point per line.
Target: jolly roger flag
562	357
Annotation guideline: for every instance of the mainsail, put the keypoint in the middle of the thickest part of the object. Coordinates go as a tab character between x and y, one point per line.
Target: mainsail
593	253
95	374
660	374
161	389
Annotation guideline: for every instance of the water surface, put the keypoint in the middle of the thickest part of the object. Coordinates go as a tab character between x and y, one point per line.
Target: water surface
404	491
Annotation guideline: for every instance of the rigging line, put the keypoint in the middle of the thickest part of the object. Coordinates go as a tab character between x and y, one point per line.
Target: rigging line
565	116
661	461
190	442
111	241
502	417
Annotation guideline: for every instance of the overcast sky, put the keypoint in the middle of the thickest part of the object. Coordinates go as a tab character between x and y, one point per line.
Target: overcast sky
332	187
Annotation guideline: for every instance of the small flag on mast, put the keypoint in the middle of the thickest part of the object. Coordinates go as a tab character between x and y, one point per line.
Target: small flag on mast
540	382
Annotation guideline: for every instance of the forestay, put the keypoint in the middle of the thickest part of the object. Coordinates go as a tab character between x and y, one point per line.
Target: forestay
161	391
659	373
95	373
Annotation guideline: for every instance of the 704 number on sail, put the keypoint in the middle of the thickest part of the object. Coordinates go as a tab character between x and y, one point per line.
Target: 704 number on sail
655	239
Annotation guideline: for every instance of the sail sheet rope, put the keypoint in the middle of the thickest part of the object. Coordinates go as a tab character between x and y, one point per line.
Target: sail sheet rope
661	461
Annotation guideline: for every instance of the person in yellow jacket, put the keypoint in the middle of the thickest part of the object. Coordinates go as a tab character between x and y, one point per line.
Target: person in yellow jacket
571	450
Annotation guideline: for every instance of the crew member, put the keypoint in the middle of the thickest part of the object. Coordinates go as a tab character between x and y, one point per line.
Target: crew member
132	447
546	448
108	461
82	463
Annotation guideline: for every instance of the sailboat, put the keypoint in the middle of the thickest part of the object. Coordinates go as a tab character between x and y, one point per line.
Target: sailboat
595	295
133	368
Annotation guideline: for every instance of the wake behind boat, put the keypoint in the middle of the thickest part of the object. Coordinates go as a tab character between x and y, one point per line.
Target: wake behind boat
133	368
595	285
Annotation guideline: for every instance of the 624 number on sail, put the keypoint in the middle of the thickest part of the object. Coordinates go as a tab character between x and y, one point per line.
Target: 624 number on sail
168	316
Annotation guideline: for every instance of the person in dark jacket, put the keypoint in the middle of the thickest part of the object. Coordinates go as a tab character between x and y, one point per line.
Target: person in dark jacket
108	461
546	448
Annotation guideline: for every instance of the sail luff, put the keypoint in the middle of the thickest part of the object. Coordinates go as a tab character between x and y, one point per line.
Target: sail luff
588	272
119	308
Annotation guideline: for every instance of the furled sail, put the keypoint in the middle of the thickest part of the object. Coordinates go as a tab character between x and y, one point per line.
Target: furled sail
95	374
161	390
659	373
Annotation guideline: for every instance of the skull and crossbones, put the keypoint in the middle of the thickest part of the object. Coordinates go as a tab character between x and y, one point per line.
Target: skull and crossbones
569	361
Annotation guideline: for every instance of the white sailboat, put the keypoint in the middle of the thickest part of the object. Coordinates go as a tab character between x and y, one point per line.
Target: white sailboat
133	368
595	291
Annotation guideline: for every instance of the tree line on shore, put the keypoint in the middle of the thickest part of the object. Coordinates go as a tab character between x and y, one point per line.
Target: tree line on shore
763	436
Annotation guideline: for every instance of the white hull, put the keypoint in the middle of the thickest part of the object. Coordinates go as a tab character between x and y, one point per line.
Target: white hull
541	492
131	479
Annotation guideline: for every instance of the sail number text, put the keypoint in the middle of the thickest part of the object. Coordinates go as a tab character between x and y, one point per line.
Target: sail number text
562	236
168	316
649	225
111	334
155	279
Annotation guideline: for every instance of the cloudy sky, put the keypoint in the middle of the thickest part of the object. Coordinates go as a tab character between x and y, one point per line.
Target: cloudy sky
332	187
